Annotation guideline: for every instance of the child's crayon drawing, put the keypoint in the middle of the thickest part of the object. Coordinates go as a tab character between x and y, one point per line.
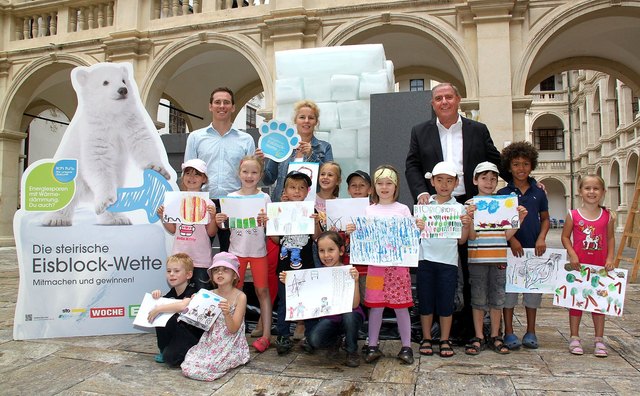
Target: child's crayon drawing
341	211
290	218
385	241
317	292
183	207
440	221
496	212
534	274
202	310
591	289
243	211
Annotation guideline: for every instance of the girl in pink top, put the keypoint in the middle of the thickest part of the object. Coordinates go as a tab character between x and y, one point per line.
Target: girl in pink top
388	286
194	239
592	229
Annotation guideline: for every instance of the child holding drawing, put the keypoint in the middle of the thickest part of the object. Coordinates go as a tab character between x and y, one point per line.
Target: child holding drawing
224	346
388	286
358	186
437	276
328	330
520	158
296	252
249	245
175	339
194	239
329	179
597	223
487	267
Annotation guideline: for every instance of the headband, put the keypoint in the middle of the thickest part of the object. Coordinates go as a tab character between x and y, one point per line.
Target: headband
386	173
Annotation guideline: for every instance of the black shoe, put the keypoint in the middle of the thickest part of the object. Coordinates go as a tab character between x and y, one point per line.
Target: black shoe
406	355
307	347
353	359
283	345
373	354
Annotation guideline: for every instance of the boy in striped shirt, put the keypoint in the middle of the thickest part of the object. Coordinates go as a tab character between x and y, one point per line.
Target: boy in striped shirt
487	268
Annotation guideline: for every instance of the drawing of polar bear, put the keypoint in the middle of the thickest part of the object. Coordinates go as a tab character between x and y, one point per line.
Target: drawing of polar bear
109	130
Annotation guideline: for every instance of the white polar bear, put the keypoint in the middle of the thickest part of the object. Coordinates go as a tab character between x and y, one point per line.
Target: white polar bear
109	129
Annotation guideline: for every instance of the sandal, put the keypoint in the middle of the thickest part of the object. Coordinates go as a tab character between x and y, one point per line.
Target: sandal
600	348
512	342
497	345
445	349
575	346
530	341
426	347
474	347
261	344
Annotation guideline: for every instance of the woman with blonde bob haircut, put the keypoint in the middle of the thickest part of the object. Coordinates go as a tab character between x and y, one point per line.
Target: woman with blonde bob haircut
311	149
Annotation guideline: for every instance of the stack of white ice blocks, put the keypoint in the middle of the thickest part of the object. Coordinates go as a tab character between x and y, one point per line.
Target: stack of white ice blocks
340	80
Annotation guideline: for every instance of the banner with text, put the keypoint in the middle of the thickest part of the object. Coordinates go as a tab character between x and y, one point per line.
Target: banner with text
88	239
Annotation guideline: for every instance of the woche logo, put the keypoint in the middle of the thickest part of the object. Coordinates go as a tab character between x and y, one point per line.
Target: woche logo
107	312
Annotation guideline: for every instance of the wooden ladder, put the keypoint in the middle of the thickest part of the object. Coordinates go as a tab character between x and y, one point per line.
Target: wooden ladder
628	235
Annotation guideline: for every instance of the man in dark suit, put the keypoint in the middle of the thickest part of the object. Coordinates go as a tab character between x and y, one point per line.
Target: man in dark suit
465	143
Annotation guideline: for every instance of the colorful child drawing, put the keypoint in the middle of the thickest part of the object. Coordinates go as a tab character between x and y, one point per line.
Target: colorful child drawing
534	274
496	212
385	241
440	221
319	292
591	289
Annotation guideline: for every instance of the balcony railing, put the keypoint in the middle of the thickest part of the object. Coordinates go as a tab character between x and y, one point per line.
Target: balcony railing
42	21
552	166
549	96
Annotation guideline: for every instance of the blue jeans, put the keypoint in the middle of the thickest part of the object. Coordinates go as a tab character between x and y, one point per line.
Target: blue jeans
326	332
200	279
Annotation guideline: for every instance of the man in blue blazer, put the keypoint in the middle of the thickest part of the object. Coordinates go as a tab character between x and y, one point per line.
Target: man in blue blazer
465	143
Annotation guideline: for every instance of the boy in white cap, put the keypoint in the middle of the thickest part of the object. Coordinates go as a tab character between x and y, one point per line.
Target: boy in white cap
437	276
487	267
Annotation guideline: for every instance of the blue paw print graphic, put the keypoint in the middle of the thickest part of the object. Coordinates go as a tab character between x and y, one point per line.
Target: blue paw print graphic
277	140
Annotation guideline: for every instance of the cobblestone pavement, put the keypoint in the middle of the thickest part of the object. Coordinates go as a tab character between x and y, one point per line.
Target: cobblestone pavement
123	364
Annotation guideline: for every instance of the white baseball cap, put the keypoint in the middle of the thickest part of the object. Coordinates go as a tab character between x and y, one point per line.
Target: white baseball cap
484	167
443	168
196	164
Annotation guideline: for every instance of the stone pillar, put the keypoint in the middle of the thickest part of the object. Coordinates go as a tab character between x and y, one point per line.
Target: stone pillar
625	103
520	106
492	19
10	148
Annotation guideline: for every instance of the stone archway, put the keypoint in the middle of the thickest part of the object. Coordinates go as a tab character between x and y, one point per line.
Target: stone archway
631	177
416	45
578	35
614	193
44	81
557	194
189	69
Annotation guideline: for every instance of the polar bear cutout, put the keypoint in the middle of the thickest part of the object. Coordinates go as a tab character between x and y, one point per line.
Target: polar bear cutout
109	131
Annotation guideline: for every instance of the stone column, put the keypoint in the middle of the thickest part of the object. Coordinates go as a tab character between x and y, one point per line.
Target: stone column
625	102
492	19
10	149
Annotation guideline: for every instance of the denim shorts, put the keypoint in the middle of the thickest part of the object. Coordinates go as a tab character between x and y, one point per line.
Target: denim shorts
529	300
436	283
487	286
